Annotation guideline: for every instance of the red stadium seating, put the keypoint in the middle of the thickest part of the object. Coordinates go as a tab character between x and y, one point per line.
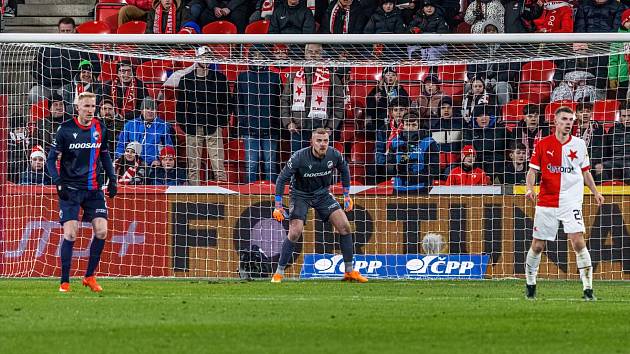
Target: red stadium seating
513	110
413	89
536	81
365	73
108	71
231	71
39	110
552	106
357	171
453	73
339	146
447	159
358	93
95	27
257	27
167	110
362	152
234	150
108	12
133	27
606	110
219	27
412	73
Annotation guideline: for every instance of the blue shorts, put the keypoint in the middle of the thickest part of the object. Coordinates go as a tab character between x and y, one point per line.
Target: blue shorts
92	203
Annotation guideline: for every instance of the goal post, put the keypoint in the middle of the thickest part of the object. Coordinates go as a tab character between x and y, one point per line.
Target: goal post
437	131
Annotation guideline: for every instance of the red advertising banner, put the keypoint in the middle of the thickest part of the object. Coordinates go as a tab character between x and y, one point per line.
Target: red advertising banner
137	244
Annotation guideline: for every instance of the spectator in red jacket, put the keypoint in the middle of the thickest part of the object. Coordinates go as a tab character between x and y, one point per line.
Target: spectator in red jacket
557	17
135	10
467	174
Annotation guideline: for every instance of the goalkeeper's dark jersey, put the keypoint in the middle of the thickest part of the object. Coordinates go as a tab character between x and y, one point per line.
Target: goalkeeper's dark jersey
81	148
310	175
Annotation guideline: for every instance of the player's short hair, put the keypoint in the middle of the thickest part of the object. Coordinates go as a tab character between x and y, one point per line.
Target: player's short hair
411	116
531	109
516	145
66	21
563	109
320	131
623	105
85	94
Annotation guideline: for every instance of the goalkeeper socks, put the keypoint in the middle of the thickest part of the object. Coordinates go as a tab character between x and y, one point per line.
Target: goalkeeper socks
347	250
531	266
583	260
285	255
66	259
96	248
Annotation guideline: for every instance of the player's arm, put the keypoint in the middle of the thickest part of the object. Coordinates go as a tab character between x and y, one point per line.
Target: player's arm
283	178
530	182
108	165
590	183
344	170
51	163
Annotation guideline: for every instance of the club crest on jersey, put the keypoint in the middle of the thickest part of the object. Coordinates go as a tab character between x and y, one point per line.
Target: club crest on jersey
74	135
560	169
95	135
330	164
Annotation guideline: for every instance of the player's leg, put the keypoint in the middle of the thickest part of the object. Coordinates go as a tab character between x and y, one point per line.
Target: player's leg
545	229
68	217
296	226
583	260
95	210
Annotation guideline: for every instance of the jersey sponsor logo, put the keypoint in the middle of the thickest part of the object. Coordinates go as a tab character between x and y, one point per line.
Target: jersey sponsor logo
317	174
84	146
329	164
469	266
560	169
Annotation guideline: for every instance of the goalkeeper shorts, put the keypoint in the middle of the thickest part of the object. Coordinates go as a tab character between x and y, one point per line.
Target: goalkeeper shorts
324	205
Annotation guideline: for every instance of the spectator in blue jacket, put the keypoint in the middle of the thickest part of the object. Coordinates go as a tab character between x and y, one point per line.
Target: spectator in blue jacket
149	130
597	16
258	107
36	173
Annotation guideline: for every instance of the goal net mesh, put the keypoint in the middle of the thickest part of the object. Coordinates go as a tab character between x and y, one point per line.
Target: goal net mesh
437	138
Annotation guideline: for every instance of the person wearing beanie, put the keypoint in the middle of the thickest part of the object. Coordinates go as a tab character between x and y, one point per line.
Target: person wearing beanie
618	63
84	80
386	19
45	128
36	174
487	136
466	174
149	129
429	19
167	173
130	168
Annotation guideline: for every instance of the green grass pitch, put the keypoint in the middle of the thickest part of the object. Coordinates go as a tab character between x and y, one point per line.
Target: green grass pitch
184	316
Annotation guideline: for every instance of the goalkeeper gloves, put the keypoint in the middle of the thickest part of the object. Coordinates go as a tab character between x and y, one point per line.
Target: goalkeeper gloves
279	213
347	201
62	192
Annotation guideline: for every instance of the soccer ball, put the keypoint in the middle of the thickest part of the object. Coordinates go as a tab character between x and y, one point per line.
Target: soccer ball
432	243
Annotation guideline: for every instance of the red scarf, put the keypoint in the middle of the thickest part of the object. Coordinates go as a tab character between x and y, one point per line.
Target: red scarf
333	18
170	21
126	176
394	131
129	101
319	93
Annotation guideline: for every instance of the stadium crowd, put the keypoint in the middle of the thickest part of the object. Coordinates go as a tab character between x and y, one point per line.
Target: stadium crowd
478	129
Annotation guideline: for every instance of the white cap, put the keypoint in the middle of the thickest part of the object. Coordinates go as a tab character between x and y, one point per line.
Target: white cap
135	146
202	50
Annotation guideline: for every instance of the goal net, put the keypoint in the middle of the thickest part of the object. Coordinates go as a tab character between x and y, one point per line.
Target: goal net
437	131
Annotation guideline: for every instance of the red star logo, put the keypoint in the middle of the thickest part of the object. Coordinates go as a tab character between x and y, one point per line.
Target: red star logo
572	155
319	100
299	90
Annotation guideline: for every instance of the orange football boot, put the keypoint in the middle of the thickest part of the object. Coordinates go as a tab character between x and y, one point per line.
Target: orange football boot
277	278
354	276
91	282
64	287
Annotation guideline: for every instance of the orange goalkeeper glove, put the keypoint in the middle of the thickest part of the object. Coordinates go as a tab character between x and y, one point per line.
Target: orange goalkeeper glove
279	213
348	204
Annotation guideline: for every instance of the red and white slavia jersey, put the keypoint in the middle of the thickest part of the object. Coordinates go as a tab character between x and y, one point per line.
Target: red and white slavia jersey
561	166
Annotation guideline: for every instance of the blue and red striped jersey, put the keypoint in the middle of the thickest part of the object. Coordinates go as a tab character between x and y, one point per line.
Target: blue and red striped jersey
81	148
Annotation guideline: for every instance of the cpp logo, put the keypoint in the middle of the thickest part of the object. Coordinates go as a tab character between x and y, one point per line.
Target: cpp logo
335	265
438	265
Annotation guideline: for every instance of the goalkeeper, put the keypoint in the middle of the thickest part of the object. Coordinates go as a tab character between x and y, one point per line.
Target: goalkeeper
310	171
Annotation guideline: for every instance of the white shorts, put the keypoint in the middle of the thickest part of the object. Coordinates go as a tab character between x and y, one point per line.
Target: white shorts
546	221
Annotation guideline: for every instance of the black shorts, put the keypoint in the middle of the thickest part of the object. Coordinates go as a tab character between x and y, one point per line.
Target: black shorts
324	205
92	203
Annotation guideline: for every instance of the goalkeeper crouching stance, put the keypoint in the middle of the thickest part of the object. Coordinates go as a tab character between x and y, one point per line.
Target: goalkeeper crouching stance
80	145
310	171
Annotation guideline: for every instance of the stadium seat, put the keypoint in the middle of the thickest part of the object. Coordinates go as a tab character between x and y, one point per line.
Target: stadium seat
536	81
234	171
108	12
167	109
359	92
412	74
94	27
39	110
605	110
447	159
234	150
219	27
257	27
413	89
154	71
231	71
365	73
513	110
362	152
132	27
108	71
452	73
552	106
339	146
357	171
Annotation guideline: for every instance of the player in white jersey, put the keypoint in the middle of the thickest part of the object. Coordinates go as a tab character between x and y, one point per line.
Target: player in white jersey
563	162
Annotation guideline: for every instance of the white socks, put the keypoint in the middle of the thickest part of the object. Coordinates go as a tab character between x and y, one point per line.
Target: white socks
531	266
583	260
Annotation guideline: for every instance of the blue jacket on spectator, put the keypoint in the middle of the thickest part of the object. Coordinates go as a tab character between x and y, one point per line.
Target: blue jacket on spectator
36	177
258	102
417	160
592	17
159	176
152	136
